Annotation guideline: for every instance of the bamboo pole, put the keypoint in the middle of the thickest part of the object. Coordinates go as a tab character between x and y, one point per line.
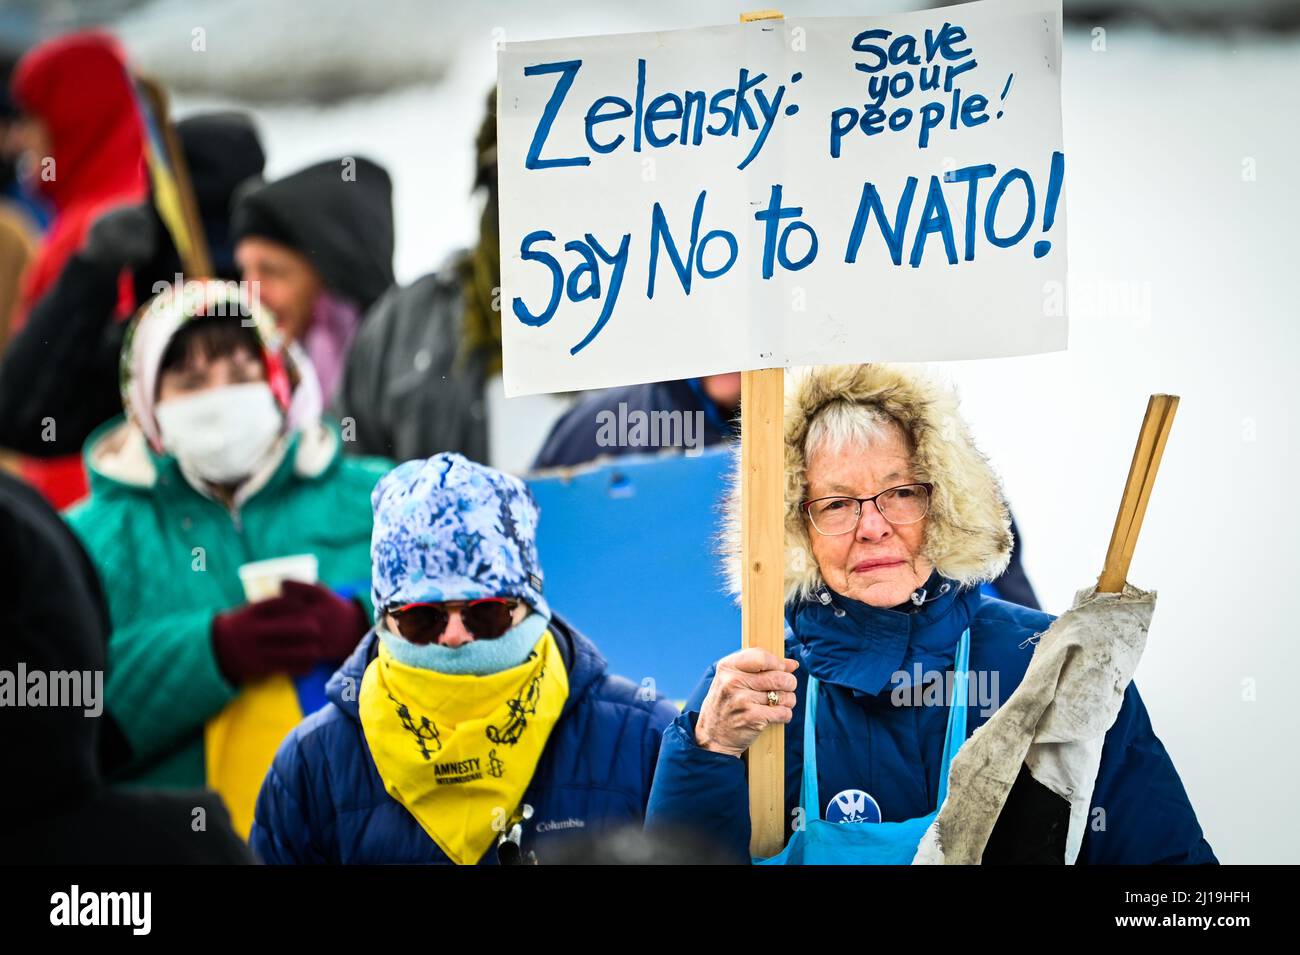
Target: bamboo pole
762	550
1152	437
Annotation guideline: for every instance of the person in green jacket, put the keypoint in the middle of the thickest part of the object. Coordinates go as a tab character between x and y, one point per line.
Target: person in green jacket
222	459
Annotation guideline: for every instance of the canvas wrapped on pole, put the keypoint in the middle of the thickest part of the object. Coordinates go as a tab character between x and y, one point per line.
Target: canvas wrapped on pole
1048	737
1054	725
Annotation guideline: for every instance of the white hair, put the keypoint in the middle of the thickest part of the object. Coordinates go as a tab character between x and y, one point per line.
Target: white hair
845	424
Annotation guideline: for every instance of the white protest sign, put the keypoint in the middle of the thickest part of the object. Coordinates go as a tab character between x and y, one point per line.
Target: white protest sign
783	192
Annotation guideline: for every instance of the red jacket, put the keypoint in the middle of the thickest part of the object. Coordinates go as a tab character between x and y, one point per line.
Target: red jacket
78	86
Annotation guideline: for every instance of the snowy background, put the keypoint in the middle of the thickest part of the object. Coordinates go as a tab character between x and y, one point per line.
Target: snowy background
1183	268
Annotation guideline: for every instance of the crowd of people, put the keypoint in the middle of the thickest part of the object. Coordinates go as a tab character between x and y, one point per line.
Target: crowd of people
415	697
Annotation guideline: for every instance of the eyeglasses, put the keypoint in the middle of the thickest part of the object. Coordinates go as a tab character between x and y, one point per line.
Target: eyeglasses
486	619
905	504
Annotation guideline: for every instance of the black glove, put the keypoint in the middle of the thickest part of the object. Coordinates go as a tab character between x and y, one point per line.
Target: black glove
123	237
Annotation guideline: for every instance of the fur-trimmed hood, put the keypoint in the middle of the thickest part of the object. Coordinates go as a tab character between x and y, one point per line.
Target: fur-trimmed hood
968	529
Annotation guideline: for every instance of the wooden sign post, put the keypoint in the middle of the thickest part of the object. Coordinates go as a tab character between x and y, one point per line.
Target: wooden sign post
762	550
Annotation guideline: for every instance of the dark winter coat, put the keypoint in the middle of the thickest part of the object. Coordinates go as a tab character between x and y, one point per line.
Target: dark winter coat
58	810
867	741
323	800
409	389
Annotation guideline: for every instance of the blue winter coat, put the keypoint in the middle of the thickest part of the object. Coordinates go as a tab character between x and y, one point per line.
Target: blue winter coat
893	752
323	800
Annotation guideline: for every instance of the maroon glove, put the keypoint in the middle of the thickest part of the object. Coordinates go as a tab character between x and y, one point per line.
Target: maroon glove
340	623
286	634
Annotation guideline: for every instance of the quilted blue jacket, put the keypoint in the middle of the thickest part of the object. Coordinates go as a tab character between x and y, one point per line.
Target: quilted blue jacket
323	800
869	739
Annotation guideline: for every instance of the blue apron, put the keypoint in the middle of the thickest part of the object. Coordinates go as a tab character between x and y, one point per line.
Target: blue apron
869	843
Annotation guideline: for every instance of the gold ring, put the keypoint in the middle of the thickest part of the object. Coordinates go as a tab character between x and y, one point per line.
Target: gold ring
773	698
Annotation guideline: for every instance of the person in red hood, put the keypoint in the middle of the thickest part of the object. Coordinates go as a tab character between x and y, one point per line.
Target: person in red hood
82	130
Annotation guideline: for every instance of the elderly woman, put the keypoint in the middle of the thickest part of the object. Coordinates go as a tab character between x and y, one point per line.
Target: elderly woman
893	520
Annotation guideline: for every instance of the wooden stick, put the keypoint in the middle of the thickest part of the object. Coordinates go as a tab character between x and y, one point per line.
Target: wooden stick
1163	409
196	262
762	554
1150	448
1107	583
1168	408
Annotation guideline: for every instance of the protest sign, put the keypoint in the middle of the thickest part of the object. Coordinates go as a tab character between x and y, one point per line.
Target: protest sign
777	193
782	192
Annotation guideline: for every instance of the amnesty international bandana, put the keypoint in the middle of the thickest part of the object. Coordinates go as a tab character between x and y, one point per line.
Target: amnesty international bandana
459	751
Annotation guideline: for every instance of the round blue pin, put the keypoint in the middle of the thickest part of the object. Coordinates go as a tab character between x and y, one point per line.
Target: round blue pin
852	805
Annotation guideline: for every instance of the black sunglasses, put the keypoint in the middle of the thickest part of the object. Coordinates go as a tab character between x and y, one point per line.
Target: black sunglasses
486	619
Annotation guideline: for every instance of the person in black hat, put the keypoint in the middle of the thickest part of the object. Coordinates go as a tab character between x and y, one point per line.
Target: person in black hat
319	246
415	377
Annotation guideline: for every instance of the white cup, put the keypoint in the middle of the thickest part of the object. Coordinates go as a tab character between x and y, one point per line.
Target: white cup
262	578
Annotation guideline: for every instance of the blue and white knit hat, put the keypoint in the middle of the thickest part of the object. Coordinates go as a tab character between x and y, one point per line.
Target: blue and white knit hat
451	529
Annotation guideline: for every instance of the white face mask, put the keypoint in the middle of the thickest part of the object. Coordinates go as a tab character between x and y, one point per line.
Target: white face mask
221	433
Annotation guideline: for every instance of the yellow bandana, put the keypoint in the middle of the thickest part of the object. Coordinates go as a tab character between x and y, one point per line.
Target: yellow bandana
458	751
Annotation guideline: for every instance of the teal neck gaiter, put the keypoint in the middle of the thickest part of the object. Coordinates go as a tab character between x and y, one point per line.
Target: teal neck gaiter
476	658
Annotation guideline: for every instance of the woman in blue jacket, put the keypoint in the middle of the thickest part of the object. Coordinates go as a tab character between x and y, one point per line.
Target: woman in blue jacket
471	725
893	519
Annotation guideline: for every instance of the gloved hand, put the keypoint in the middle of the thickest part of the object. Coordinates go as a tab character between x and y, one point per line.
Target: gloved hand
286	634
122	237
341	623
